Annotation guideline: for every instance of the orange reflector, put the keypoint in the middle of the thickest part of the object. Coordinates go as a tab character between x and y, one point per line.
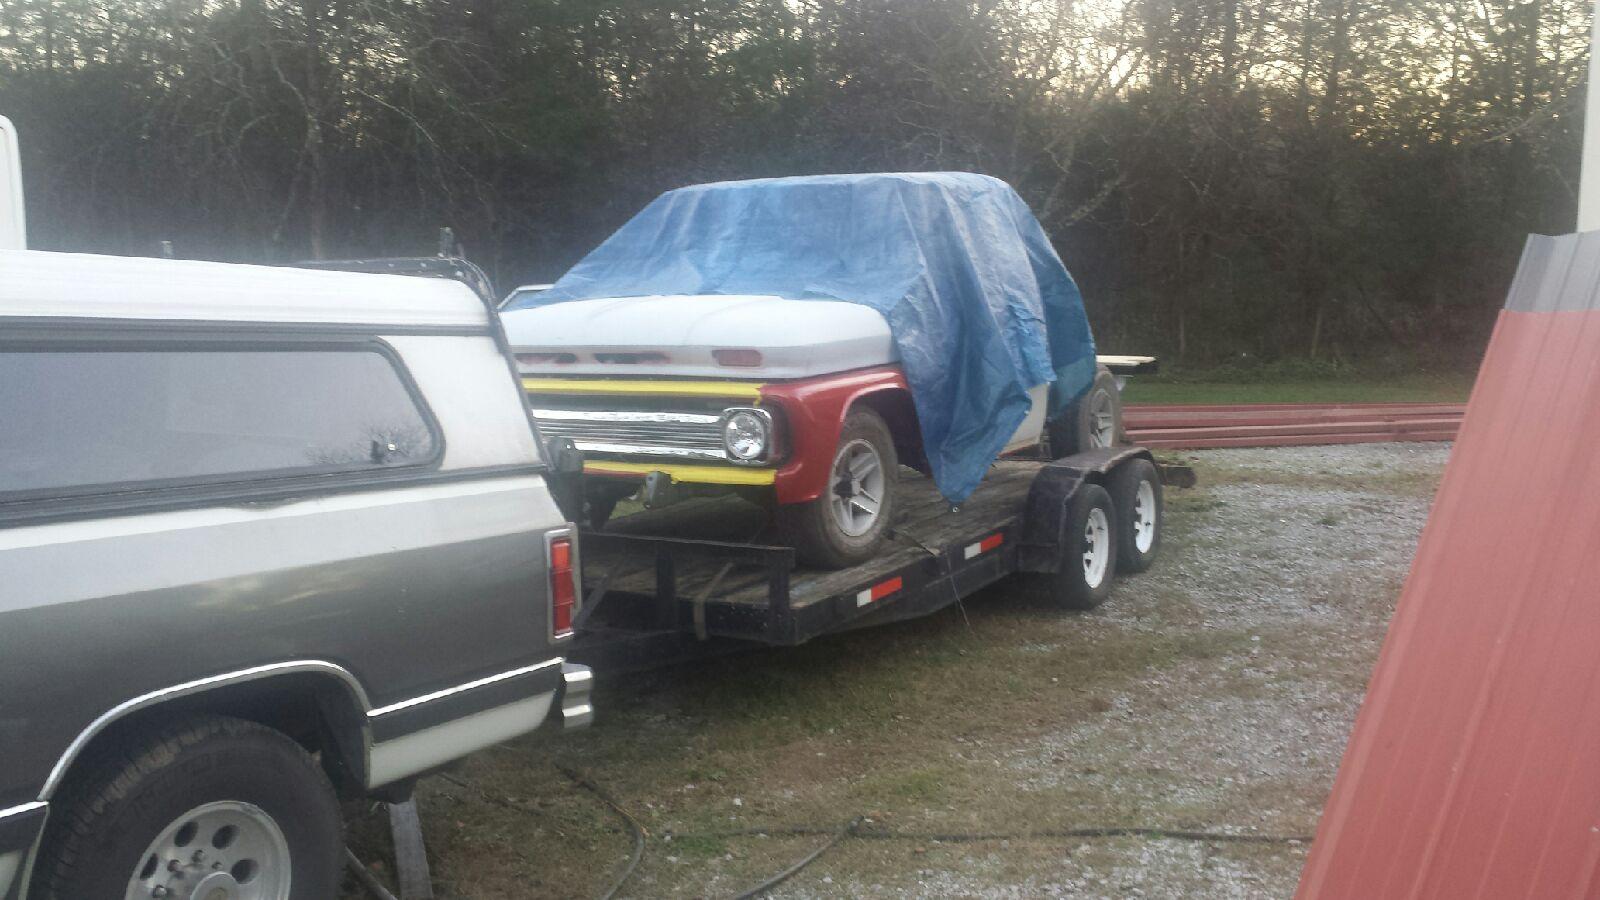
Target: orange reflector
879	591
983	546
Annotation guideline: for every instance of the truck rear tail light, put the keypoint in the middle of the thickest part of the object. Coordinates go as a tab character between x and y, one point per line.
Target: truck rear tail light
743	357
561	555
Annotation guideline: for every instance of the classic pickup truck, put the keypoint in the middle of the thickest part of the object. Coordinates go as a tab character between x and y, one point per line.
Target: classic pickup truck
797	394
268	537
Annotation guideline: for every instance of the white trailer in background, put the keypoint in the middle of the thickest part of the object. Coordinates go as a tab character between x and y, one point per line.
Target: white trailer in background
13	230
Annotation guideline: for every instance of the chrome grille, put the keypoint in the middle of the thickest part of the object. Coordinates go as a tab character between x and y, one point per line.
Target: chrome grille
671	434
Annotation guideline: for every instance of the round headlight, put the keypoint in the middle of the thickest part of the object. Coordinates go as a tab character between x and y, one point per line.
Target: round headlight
746	435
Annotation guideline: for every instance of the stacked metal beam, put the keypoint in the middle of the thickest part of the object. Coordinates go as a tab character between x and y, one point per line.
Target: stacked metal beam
1290	424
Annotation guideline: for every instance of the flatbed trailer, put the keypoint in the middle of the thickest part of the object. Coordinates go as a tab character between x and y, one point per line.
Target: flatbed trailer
704	575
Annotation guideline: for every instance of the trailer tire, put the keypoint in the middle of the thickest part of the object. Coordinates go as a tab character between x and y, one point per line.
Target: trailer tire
1088	556
1135	489
1093	420
251	805
817	529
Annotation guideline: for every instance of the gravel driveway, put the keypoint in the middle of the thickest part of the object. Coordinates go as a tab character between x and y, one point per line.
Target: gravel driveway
1213	693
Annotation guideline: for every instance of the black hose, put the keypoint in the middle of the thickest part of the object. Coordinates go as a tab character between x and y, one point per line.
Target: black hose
639	834
854	828
848	829
874	833
365	876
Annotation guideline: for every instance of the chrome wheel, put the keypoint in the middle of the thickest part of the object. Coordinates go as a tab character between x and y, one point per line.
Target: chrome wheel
859	480
1102	420
1144	517
225	850
1096	547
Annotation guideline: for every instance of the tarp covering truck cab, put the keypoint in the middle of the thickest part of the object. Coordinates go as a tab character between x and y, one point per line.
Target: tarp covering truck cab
980	307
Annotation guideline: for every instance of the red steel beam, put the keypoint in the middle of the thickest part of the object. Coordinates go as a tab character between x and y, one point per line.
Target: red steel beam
1295	440
1285	424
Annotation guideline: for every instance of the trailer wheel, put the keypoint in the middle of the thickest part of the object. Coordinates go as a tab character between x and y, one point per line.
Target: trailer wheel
1092	421
210	807
1135	489
1089	556
847	524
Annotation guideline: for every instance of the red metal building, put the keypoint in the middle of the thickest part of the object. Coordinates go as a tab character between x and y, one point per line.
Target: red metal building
1474	767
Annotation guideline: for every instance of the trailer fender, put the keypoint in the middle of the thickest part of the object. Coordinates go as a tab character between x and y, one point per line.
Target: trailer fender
1045	517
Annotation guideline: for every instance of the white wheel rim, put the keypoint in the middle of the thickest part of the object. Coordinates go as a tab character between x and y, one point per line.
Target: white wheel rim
856	494
217	851
1096	547
1102	420
1144	516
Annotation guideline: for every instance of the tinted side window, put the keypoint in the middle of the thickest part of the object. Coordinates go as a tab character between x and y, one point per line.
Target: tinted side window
79	419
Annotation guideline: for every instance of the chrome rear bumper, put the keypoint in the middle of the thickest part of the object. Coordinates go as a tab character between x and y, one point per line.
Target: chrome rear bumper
576	710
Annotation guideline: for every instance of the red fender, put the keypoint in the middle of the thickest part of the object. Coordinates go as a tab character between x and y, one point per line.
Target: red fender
812	413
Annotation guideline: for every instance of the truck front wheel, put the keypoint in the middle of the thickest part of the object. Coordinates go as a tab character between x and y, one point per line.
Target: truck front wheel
846	525
212	807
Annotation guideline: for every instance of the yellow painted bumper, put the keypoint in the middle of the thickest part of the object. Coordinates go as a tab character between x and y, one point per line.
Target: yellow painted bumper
688	474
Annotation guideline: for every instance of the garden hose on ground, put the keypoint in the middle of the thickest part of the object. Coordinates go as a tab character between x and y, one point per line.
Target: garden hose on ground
783	876
365	876
638	831
859	828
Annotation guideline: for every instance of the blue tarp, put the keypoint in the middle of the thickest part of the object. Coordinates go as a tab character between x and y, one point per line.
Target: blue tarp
979	303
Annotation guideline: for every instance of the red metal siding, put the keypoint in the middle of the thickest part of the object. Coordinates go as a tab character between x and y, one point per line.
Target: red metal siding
1474	767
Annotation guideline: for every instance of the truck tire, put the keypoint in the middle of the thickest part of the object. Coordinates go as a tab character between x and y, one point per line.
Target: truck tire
1088	558
209	805
1093	420
847	524
1135	489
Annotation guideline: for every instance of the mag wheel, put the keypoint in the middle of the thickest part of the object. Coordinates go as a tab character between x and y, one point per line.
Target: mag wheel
209	809
1094	420
846	525
222	850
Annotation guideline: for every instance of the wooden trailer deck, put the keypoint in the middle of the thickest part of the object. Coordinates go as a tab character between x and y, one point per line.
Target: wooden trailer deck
724	553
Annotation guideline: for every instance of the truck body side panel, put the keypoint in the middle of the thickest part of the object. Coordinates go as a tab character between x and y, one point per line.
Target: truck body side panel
412	590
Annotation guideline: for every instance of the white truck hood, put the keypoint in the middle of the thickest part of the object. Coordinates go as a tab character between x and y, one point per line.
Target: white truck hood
676	335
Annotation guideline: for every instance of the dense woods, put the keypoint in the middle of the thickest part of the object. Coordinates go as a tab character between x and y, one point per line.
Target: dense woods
1283	179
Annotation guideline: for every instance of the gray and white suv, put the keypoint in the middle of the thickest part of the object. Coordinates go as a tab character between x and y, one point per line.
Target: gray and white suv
268	536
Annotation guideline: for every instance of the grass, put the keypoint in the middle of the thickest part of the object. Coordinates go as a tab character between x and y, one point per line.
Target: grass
1198	388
